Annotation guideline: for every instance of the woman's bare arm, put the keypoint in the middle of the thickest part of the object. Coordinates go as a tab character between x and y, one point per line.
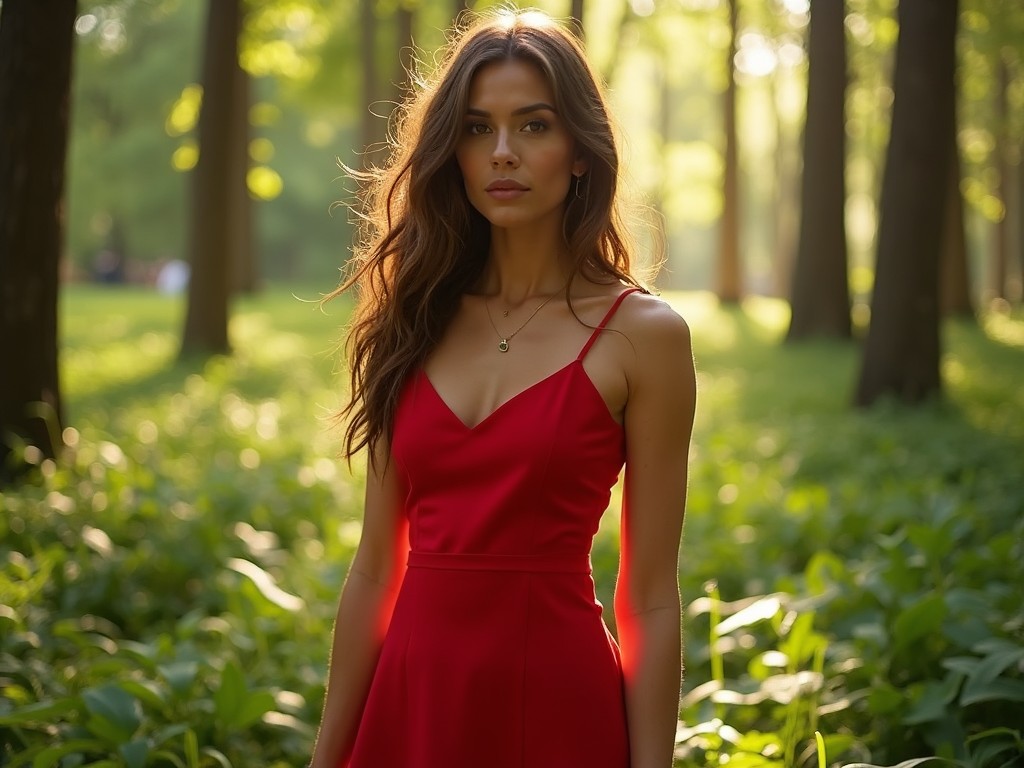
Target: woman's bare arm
658	421
364	612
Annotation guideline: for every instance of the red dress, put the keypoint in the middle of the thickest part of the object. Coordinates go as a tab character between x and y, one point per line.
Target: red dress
497	655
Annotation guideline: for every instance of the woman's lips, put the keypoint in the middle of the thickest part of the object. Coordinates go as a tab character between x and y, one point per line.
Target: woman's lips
506	189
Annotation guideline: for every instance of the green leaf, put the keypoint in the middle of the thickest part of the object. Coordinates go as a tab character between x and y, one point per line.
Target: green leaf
930	704
993	665
41	711
52	756
230	695
147	692
919	620
986	751
170	757
1000	689
135	753
113	705
905	764
179	675
256	704
218	756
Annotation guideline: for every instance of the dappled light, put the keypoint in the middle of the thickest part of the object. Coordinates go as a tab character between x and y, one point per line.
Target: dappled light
178	521
211	502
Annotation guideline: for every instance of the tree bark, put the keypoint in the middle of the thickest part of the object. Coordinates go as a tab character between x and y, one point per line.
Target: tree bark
820	295
728	279
405	18
213	186
1019	208
901	356
787	216
955	279
1001	251
36	43
576	13
246	256
372	128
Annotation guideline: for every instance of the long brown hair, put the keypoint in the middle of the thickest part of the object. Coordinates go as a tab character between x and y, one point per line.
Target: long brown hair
423	244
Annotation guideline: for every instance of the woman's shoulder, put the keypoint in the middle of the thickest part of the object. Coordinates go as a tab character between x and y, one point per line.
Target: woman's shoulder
652	324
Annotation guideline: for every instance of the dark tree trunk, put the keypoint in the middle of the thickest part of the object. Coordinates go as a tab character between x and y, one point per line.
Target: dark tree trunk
955	281
1001	251
821	293
36	42
901	356
372	128
458	7
405	18
728	280
787	216
246	258
1019	208
213	187
576	13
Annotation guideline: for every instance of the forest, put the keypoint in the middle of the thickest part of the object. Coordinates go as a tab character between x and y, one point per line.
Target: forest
831	192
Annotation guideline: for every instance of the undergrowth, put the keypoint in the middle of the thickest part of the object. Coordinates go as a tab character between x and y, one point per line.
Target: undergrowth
167	588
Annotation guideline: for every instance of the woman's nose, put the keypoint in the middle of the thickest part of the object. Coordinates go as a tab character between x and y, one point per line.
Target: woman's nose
503	153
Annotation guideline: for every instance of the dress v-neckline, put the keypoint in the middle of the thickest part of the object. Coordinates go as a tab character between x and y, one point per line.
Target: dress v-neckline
517	396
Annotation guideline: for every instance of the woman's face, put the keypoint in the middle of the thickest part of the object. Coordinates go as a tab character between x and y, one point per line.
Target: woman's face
516	155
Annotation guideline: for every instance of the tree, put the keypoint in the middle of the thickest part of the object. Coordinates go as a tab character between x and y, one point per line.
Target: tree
728	282
955	280
901	356
820	295
576	14
246	263
371	129
36	43
206	320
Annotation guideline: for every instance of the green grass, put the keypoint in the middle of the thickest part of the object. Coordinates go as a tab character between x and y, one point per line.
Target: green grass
166	592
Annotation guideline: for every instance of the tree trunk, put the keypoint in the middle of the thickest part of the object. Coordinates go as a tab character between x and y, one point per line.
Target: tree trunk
36	42
213	186
1019	208
955	279
821	293
246	257
458	7
576	14
787	217
728	280
405	18
1001	251
372	128
901	356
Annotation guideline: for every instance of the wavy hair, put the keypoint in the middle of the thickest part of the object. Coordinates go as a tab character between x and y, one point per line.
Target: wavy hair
422	244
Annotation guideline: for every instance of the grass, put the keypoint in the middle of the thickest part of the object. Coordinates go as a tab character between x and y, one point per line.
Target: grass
166	592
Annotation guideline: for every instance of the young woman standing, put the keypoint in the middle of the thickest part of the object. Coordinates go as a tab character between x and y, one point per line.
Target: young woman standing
506	364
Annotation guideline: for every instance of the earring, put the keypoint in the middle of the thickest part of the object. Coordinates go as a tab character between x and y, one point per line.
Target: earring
578	180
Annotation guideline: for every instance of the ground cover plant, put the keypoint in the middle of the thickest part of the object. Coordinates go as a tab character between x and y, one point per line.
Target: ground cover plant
167	590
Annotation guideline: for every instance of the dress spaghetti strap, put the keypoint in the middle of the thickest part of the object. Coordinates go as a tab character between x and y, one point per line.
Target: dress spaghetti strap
604	322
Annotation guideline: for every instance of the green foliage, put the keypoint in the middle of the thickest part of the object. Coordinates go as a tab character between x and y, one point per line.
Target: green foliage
167	590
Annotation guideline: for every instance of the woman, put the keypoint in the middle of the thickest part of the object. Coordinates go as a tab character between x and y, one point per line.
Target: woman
505	364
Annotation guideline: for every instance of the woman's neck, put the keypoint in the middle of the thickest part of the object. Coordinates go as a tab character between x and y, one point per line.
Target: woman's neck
523	264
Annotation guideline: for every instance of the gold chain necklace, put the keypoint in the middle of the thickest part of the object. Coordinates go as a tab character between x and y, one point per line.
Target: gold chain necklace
504	340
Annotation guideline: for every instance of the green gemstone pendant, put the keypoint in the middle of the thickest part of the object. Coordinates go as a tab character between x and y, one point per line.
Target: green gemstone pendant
503	345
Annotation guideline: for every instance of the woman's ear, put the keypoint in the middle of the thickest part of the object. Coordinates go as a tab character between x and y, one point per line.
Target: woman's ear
580	165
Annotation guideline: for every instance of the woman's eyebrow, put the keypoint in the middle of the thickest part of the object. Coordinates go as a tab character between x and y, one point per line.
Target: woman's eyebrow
539	106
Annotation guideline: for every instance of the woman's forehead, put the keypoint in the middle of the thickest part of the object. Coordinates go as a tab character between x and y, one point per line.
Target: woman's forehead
509	82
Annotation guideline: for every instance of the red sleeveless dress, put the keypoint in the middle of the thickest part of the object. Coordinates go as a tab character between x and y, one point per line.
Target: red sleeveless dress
497	655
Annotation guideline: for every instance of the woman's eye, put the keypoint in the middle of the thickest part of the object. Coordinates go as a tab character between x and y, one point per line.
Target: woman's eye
476	129
535	126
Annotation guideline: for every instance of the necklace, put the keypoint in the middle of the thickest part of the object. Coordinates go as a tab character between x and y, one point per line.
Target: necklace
504	340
